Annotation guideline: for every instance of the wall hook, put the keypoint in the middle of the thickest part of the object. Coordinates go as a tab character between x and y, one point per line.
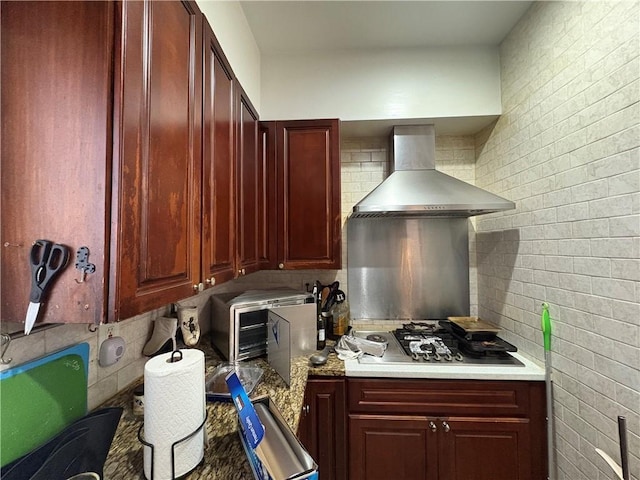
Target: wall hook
6	340
82	263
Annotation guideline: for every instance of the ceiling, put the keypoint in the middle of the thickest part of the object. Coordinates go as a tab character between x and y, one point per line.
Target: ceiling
303	26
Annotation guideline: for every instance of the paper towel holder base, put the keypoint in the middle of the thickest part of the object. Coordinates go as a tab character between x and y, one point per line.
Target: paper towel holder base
173	445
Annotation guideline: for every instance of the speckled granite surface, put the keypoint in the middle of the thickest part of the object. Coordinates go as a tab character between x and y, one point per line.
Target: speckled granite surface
224	457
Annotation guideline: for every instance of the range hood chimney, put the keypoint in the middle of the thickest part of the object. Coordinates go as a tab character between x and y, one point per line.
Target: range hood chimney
416	189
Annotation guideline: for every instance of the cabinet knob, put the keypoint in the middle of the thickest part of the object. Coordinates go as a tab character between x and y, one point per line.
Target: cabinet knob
198	287
281	266
306	409
433	426
446	427
210	281
241	271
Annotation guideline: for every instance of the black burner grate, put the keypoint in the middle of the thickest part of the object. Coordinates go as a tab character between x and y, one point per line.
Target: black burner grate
411	332
407	335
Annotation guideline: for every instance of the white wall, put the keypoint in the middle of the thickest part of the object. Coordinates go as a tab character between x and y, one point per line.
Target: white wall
232	31
567	151
371	85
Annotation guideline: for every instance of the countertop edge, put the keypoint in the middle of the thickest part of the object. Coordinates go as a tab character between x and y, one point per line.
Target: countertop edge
531	371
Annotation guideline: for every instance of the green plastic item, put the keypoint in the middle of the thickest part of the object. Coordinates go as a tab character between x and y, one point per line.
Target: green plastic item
40	398
546	327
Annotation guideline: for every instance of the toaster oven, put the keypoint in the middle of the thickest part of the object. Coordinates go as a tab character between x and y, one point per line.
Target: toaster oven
239	321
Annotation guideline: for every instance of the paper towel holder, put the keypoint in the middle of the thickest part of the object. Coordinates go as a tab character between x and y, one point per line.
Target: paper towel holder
171	359
173	445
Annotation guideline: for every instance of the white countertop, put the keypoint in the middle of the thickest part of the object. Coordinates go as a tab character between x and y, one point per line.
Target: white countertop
530	370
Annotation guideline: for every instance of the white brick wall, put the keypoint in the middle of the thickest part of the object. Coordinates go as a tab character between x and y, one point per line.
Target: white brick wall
566	149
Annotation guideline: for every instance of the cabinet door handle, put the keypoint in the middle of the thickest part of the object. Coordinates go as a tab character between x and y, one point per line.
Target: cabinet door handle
281	266
433	427
210	281
306	409
446	427
199	287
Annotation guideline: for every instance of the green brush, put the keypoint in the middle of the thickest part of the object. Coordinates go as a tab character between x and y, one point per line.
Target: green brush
546	327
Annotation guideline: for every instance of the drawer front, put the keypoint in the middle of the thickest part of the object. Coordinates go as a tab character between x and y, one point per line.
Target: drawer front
438	397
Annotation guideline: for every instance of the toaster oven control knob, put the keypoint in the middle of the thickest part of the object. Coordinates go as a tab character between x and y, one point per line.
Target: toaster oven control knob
433	427
211	281
446	427
281	266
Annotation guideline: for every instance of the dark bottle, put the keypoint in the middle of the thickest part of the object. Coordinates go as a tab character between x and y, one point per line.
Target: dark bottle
322	326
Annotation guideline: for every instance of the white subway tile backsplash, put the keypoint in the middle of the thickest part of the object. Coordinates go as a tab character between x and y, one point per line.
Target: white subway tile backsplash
625	183
627	269
557	231
576	283
613	247
574	247
611	206
597	228
620	331
627	226
558	263
592	266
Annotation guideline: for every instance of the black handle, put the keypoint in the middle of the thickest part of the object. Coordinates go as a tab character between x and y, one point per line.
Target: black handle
624	455
47	259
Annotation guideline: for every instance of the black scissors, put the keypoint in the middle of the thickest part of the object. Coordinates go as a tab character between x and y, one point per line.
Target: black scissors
47	259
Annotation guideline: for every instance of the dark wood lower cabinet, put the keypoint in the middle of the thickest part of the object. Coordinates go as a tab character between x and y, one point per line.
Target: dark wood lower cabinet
420	429
323	425
391	447
446	430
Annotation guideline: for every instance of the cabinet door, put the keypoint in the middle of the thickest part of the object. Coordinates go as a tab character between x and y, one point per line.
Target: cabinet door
484	449
218	195
382	447
308	162
250	187
323	426
267	248
157	167
57	60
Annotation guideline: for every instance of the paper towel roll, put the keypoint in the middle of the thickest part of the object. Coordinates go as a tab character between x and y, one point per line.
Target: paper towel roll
174	407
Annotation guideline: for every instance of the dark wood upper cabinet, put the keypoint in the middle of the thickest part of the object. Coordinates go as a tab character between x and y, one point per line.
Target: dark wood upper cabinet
308	217
101	129
249	187
219	148
157	160
57	65
267	221
124	130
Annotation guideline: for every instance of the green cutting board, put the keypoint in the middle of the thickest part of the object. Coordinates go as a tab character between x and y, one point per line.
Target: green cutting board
39	398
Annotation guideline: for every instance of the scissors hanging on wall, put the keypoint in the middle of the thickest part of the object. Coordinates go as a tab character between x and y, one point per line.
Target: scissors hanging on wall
47	259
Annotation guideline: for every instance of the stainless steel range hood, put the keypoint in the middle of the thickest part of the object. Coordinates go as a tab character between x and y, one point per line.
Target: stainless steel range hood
416	189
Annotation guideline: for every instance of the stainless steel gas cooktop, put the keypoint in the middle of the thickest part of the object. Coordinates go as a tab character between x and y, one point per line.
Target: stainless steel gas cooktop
434	343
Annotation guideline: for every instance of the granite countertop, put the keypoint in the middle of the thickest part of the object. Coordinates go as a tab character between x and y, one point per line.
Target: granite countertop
224	457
